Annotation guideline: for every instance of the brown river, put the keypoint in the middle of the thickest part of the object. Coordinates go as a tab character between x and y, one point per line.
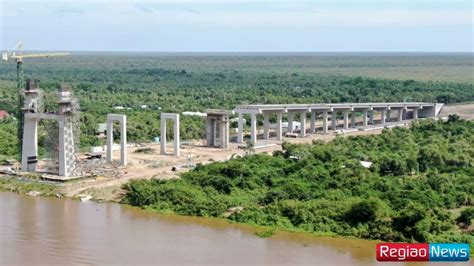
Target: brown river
50	231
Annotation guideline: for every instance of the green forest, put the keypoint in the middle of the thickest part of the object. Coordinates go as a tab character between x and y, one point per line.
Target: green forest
196	82
420	186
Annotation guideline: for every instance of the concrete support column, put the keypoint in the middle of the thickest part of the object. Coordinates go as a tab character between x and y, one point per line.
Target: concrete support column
278	128
176	144
382	116
225	133
388	115
415	113
325	122
353	119
240	129
176	136
61	149
110	140
123	141
303	124
333	120
371	117
312	124
210	132
400	115
29	152
163	136
266	126
346	119
214	132
290	122
253	129
365	118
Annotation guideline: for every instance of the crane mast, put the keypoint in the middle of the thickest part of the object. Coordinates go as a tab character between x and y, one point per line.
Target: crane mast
20	82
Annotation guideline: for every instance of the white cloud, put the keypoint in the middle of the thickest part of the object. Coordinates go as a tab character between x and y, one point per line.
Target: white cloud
143	14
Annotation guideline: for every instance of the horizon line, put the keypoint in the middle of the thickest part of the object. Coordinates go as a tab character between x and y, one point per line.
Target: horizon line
230	52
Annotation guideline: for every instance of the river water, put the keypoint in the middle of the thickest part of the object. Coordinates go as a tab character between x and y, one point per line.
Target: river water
50	231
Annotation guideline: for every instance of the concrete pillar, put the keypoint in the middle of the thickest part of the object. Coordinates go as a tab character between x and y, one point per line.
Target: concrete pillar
176	144
266	126
224	134
214	132
353	119
312	124
415	113
29	152
66	158
303	124
123	137
278	128
371	116
290	122
365	118
334	120
382	116
110	140
400	115
325	122
163	136
123	141
388	115
210	132
61	149
253	129
176	136
346	119
240	133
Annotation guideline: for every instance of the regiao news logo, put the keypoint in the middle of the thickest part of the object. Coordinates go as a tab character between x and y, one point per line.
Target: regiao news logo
422	252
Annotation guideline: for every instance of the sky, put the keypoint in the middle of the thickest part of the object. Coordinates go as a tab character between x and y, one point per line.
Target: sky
238	25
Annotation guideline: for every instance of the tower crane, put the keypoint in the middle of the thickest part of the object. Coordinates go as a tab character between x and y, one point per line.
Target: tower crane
18	56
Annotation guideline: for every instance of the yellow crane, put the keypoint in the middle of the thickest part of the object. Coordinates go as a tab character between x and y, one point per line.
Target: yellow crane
18	56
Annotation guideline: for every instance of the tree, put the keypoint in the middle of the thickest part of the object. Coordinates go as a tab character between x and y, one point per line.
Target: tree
249	147
466	217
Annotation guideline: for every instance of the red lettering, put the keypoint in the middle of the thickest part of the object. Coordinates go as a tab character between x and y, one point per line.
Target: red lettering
402	252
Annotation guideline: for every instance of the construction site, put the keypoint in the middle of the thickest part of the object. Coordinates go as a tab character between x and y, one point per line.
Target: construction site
260	129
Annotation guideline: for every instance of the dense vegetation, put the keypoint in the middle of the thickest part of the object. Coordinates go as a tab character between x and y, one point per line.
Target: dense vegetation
24	186
418	176
175	83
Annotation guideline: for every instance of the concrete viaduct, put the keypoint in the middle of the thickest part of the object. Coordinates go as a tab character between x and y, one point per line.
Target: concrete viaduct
405	110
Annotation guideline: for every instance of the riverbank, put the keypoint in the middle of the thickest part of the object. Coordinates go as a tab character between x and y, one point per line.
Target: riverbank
30	186
324	188
405	194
